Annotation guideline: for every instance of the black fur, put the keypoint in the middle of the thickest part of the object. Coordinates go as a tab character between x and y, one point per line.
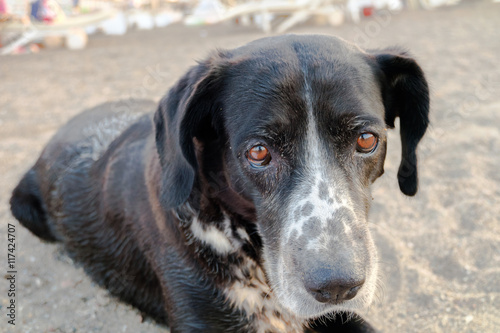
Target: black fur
406	95
135	198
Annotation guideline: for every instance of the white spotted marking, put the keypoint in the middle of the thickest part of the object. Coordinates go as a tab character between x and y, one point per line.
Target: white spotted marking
243	234
323	208
253	296
211	236
325	195
246	298
347	228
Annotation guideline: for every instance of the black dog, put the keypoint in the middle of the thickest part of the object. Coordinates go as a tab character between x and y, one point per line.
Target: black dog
242	205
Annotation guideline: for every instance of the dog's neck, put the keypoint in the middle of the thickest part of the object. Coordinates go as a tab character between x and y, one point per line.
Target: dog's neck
219	225
228	248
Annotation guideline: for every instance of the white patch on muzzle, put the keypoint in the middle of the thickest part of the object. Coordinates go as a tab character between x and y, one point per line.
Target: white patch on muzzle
315	206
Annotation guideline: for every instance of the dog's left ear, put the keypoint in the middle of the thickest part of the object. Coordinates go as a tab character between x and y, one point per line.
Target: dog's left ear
406	95
189	110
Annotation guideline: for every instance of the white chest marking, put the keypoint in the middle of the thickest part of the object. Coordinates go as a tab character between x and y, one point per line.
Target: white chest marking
254	297
211	236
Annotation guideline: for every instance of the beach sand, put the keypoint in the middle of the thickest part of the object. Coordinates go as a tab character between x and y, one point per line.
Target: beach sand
439	251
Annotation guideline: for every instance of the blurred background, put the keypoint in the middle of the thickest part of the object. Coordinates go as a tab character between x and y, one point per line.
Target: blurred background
28	25
439	251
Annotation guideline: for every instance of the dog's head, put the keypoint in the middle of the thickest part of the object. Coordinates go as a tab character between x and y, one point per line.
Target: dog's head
295	129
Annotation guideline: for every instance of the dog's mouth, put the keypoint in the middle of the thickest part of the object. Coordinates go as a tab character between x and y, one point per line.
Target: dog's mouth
312	284
292	294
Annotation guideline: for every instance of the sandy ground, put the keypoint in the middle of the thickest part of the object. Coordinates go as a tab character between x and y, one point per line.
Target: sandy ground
439	252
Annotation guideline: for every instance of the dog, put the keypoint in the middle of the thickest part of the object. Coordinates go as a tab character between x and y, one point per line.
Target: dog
241	203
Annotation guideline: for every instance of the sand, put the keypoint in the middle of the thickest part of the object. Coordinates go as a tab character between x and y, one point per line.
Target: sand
439	252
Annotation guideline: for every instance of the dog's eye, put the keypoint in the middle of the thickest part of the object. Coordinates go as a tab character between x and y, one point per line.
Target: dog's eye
366	143
258	156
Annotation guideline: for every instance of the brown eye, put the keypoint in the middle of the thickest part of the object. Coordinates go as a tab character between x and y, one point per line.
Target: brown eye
258	156
366	143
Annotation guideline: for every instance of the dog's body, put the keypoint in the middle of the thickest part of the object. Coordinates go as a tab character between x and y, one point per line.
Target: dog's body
181	217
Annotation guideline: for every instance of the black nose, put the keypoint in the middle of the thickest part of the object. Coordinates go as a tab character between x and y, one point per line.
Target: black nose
331	287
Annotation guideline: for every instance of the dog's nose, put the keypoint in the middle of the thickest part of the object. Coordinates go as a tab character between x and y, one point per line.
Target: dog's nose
328	286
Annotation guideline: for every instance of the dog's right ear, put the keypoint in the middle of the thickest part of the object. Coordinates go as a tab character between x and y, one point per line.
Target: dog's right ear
186	112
